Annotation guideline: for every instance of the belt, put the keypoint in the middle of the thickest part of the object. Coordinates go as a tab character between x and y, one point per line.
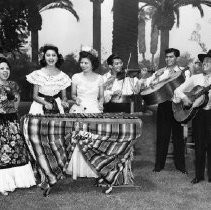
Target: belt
45	96
50	99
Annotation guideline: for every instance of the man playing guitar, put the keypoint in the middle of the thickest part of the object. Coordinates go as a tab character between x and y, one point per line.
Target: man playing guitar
201	123
166	124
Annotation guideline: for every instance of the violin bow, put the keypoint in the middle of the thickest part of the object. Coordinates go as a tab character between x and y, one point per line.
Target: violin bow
128	62
125	73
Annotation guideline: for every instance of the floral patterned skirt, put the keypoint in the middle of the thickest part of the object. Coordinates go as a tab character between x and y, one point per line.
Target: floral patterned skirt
13	151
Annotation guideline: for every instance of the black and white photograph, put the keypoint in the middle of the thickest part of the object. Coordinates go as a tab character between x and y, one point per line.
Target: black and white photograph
105	104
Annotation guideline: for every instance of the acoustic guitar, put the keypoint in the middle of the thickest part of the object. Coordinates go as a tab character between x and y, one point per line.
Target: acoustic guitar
199	99
163	90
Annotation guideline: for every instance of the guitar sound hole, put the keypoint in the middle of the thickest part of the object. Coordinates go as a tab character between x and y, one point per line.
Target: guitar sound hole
187	107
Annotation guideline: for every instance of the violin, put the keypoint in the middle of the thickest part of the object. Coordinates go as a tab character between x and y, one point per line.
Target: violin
128	73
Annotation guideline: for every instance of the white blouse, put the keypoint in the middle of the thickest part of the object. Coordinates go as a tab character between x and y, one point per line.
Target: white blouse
126	86
49	85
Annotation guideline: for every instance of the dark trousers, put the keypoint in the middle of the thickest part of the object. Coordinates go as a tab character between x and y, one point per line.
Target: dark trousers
201	125
117	107
167	125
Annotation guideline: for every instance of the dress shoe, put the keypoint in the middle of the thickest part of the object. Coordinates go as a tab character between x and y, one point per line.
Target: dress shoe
209	180
196	180
156	170
183	171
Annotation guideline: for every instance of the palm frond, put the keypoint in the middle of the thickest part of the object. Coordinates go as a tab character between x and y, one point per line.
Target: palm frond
206	2
43	3
155	3
63	4
177	13
200	10
145	5
181	3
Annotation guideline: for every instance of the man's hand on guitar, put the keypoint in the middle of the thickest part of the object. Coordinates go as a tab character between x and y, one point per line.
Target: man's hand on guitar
187	102
154	82
159	73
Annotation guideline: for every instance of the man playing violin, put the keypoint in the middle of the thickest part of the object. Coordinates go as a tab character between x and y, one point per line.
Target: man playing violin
167	126
201	123
118	89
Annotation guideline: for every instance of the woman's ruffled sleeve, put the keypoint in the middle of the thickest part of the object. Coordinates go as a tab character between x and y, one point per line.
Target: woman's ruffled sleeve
35	78
65	81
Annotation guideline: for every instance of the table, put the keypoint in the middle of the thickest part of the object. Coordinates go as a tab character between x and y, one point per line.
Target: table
106	140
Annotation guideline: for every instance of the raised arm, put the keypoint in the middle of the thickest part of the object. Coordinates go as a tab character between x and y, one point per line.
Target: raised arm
64	99
101	95
17	100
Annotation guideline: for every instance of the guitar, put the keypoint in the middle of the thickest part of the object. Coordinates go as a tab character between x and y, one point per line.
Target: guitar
199	99
163	90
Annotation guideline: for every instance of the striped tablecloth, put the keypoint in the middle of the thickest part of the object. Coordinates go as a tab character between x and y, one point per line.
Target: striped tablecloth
106	141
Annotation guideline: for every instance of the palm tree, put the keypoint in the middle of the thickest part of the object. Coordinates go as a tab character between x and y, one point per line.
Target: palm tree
35	19
196	37
13	26
166	13
143	16
154	37
125	30
141	32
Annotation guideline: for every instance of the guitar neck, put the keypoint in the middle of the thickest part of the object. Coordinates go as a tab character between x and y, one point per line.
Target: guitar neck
186	68
203	91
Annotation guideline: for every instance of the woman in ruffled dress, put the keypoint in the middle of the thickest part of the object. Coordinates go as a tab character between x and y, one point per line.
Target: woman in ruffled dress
15	168
50	84
88	95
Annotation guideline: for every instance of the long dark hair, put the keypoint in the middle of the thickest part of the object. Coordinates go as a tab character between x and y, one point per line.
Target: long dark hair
55	49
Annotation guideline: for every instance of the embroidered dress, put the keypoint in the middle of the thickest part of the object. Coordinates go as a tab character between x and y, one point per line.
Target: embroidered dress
48	86
88	92
15	168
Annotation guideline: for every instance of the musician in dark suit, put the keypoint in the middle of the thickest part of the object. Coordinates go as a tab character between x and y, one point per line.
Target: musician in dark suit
201	123
117	89
167	126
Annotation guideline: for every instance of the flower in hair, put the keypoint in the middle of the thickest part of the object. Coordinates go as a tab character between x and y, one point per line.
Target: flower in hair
89	50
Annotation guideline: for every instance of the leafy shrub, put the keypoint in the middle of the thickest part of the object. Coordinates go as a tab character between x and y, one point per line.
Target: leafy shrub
20	67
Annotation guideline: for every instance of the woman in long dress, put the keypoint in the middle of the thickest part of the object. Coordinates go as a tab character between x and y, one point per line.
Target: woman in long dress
15	168
88	94
50	83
